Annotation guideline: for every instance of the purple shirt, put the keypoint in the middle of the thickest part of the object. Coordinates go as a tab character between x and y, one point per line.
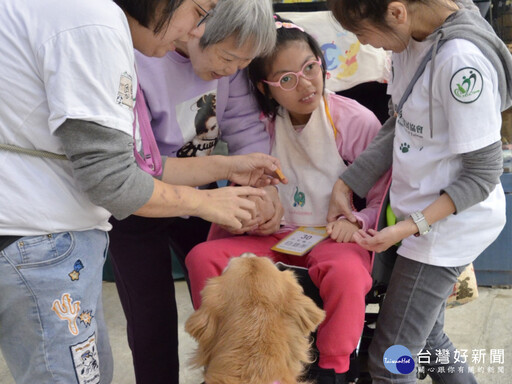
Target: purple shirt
189	115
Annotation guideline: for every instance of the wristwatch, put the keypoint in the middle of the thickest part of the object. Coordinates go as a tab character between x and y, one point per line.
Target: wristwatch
421	223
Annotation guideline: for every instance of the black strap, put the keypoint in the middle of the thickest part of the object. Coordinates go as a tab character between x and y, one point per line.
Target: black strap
5	241
300	7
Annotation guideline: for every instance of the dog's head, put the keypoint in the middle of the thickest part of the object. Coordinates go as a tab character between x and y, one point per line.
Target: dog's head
253	325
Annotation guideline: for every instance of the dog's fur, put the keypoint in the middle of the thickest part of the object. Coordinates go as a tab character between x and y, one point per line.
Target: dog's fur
254	325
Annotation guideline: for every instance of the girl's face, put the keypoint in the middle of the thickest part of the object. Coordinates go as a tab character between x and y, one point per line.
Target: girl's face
305	98
183	21
218	60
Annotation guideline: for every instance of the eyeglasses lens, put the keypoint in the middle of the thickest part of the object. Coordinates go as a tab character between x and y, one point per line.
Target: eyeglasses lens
309	71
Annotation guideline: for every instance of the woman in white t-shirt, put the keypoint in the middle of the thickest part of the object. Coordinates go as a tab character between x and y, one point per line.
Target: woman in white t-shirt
451	79
68	87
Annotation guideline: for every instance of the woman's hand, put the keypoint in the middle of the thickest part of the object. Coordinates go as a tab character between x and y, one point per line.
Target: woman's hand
379	241
340	204
256	169
342	230
228	206
266	217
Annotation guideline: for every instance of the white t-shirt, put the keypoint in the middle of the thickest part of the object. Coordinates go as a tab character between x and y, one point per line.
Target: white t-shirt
60	59
466	117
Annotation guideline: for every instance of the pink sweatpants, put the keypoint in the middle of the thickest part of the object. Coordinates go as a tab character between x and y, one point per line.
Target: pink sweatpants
341	271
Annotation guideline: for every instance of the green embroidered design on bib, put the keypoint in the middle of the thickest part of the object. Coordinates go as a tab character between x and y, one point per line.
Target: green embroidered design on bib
299	198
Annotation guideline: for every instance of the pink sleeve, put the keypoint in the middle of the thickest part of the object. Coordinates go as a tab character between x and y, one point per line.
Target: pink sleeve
356	127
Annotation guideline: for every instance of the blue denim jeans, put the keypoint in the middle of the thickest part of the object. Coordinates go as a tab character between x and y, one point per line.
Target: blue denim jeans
52	328
413	316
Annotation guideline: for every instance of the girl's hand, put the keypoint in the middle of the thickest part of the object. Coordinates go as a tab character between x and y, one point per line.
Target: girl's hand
272	212
340	204
379	241
342	231
228	206
266	218
256	169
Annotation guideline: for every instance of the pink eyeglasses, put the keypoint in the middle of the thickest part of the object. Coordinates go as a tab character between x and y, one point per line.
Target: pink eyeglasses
289	80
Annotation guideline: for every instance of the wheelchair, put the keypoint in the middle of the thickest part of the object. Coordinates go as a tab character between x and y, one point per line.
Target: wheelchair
381	271
371	94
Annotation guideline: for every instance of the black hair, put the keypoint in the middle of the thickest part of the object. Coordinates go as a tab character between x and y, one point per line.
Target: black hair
206	108
145	12
350	13
258	69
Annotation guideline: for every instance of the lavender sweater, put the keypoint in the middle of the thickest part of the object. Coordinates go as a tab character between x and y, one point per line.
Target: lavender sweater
189	115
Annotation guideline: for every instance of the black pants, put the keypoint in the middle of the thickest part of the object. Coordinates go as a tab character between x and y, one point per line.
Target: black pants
142	264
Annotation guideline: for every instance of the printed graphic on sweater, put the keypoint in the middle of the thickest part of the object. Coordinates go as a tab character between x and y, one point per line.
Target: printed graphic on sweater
197	119
466	85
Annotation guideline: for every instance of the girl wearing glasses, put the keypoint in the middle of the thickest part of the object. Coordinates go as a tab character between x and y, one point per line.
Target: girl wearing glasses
68	67
314	133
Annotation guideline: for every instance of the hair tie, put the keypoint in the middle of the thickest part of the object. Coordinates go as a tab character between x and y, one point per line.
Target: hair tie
287	25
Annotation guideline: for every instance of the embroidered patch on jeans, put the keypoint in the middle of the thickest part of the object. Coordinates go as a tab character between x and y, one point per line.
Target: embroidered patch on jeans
86	362
86	318
67	310
77	267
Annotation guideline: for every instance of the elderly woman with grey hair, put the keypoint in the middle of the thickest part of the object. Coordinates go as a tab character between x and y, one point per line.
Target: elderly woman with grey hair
196	96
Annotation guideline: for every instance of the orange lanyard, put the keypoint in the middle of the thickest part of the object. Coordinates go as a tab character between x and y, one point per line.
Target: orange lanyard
330	118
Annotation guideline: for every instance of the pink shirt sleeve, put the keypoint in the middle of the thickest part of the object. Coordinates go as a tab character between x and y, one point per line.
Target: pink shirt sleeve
356	127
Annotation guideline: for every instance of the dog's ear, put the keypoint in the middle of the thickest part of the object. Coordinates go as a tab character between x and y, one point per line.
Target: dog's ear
202	324
302	308
309	316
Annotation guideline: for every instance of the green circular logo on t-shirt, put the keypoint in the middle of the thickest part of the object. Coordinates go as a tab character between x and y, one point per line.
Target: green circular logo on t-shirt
466	85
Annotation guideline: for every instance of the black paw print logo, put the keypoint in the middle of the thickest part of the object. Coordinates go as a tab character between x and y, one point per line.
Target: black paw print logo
404	147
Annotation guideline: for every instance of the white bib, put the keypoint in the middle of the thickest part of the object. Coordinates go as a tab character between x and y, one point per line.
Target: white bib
311	162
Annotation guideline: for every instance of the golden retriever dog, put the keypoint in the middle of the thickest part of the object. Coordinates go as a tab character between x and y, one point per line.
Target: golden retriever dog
254	325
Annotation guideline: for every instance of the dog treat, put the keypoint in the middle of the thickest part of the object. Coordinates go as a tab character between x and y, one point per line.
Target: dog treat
280	174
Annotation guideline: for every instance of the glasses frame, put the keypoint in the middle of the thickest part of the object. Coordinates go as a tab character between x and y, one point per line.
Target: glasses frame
204	17
297	74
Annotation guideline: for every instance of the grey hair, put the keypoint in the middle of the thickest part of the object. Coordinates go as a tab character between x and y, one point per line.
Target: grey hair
248	20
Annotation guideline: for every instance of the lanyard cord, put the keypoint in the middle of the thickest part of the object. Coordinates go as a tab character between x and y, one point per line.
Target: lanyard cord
32	152
330	118
151	161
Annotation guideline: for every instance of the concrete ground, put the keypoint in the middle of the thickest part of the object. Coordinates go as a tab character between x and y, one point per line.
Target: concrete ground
484	325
